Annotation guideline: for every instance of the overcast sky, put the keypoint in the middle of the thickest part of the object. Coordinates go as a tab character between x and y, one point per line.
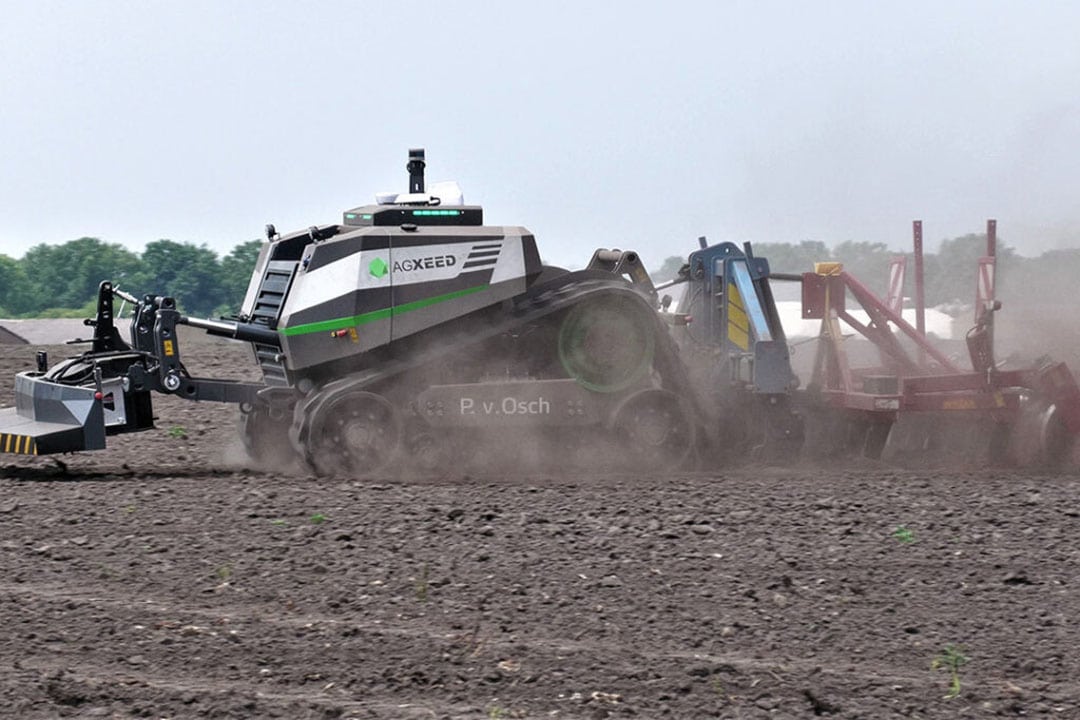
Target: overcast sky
615	124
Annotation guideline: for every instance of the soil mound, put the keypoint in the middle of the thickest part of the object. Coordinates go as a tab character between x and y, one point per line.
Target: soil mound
7	337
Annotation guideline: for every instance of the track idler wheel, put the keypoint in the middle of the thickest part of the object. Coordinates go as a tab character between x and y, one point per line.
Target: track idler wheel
607	344
654	430
352	433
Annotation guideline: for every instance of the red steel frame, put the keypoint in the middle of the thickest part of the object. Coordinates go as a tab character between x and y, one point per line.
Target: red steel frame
930	381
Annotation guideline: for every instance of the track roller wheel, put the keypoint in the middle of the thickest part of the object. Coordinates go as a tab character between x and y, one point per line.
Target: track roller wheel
355	432
428	450
264	431
654	430
607	343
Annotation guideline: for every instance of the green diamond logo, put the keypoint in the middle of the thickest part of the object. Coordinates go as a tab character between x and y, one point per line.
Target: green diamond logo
377	268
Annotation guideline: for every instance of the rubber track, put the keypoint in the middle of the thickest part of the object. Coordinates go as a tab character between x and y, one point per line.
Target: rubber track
539	302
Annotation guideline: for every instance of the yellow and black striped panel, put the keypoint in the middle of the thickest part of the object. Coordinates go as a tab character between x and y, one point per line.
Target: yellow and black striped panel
738	323
18	444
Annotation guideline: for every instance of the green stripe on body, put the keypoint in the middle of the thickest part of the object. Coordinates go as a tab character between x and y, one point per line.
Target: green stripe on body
365	318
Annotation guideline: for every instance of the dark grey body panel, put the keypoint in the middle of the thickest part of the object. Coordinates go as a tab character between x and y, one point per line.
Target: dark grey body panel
56	416
557	403
365	287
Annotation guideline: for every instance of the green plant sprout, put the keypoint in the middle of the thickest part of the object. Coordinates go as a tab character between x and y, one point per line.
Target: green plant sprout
904	535
421	585
317	519
178	432
951	658
721	691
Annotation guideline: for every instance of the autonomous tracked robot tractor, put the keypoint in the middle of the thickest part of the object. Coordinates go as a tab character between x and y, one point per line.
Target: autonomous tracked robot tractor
410	335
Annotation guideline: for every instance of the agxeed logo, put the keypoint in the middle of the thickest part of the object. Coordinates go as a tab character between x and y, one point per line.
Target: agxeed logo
377	267
428	263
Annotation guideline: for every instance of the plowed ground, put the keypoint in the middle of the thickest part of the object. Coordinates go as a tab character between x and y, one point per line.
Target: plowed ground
162	579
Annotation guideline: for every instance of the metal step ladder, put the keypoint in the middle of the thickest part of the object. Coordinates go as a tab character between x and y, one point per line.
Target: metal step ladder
268	301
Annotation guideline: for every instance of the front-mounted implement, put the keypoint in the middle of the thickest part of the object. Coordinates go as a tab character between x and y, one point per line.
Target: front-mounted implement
107	390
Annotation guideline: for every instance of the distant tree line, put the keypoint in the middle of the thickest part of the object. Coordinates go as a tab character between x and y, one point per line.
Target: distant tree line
62	280
949	274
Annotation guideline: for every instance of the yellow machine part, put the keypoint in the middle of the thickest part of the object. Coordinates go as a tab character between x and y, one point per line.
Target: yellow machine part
18	444
738	322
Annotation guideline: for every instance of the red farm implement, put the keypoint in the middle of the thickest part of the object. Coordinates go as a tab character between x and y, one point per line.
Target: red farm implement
918	404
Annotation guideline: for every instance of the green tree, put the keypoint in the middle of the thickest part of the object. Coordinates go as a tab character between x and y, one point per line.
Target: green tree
191	274
236	268
1045	279
950	273
68	275
669	270
867	262
788	258
15	294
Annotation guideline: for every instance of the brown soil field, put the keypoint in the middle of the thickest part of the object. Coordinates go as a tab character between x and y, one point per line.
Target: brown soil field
162	578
